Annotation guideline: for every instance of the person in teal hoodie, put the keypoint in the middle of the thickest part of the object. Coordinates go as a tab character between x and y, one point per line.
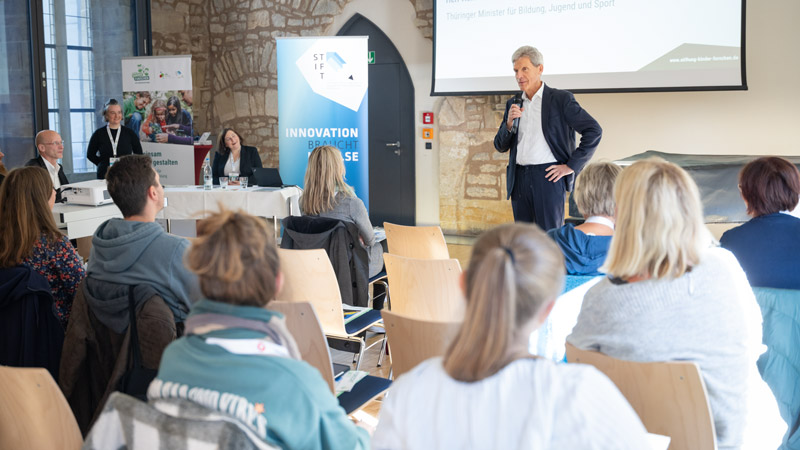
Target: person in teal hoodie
237	358
136	250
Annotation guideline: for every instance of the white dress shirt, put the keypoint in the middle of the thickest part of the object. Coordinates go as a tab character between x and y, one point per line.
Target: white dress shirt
532	147
529	404
232	166
53	170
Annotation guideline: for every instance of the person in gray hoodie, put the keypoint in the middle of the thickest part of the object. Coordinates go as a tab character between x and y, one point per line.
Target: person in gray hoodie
136	250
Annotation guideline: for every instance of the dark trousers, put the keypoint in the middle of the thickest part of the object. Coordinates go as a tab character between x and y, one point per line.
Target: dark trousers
536	199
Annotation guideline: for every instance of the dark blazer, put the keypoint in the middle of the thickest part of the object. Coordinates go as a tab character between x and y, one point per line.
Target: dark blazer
62	178
562	116
249	161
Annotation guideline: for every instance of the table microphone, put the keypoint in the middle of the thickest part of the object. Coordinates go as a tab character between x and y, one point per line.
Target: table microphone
515	123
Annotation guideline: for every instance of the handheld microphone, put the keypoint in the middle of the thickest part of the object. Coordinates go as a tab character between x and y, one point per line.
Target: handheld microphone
515	123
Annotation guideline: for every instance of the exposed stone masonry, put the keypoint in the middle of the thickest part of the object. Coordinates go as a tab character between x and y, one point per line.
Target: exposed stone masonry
232	43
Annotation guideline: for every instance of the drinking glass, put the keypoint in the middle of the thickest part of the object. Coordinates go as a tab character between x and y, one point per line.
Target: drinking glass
243	182
223	182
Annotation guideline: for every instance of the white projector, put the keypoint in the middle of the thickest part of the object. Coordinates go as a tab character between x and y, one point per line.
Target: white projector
92	193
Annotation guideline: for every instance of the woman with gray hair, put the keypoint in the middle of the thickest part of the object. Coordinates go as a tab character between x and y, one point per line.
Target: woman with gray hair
585	247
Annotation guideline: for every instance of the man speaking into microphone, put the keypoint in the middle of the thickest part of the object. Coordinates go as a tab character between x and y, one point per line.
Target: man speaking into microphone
539	128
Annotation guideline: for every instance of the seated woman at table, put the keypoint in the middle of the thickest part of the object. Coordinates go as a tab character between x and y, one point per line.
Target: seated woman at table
234	158
670	295
585	246
31	238
285	401
768	245
327	195
488	391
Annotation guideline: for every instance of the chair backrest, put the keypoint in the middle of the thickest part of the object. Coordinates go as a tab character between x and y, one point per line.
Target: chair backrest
308	277
34	412
669	397
302	322
413	341
426	289
416	242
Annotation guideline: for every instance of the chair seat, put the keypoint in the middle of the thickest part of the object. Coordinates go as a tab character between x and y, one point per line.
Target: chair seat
363	321
365	390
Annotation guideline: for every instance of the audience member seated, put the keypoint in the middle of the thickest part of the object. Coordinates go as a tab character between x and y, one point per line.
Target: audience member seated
488	391
136	250
51	149
234	158
585	246
112	141
238	356
768	245
31	238
327	195
670	296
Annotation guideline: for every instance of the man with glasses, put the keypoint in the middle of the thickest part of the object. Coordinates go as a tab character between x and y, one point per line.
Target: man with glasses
51	149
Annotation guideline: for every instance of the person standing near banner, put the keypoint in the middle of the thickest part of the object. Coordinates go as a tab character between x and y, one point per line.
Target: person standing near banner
539	128
110	142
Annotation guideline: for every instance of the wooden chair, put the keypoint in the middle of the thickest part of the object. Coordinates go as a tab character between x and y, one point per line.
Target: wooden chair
302	322
309	277
427	289
413	340
34	412
669	397
416	242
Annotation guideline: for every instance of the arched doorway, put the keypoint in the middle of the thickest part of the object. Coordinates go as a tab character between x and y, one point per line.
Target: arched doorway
392	196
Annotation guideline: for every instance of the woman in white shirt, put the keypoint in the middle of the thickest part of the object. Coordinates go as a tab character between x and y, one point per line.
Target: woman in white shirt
488	391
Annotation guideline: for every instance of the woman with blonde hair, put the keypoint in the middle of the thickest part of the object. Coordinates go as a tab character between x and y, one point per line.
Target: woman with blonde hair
270	392
488	391
669	295
585	246
30	236
326	194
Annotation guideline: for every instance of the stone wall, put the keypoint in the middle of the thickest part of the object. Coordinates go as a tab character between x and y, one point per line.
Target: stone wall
232	43
234	70
472	175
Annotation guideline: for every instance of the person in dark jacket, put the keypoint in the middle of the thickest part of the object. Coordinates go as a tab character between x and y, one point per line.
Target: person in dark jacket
542	150
234	158
51	149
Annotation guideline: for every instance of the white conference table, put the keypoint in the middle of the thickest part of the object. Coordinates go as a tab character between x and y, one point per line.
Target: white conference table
193	202
187	202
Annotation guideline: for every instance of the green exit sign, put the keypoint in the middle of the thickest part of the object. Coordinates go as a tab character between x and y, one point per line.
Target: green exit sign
371	57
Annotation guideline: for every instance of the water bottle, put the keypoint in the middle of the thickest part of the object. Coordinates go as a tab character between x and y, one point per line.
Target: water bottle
208	183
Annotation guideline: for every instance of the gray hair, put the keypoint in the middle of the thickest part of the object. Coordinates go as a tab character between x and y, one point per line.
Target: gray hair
529	52
594	189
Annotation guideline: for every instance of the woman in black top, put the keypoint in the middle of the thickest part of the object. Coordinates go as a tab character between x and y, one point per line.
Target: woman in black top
111	141
233	157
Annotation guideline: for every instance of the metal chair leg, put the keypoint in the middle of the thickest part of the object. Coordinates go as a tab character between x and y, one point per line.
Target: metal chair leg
360	353
383	351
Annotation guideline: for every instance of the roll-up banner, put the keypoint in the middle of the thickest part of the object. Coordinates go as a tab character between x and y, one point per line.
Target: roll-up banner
322	100
157	106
